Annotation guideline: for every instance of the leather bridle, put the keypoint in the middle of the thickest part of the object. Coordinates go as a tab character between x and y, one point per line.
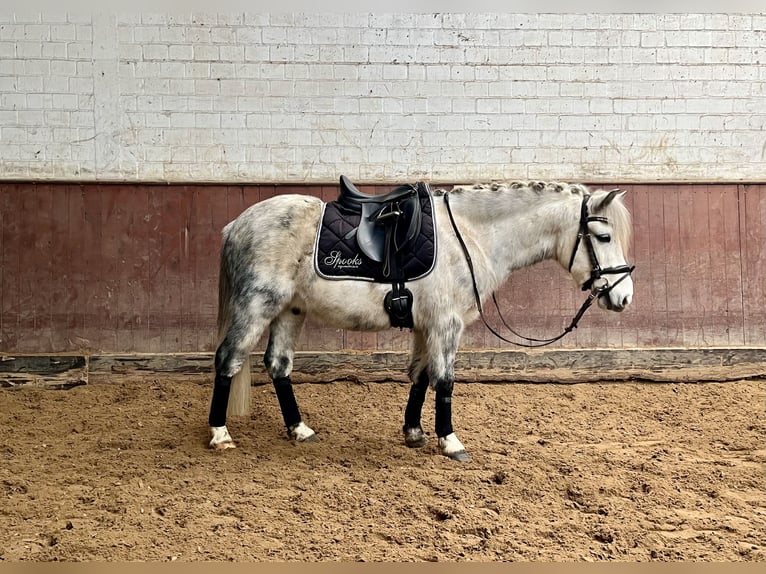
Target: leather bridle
597	272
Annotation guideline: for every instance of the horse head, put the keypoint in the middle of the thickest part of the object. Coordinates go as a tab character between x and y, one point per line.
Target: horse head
596	249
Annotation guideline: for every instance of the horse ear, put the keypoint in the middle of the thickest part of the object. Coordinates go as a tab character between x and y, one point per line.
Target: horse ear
608	199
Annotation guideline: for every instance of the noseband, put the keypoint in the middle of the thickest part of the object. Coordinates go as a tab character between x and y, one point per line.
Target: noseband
597	272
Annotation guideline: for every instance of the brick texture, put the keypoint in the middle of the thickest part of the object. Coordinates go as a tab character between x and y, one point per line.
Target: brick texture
383	97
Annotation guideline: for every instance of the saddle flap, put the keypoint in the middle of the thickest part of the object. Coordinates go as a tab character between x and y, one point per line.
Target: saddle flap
408	226
371	237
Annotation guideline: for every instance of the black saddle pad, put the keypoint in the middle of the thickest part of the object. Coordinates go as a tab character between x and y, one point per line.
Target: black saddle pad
337	255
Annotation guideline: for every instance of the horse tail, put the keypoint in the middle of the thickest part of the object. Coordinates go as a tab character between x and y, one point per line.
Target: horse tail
239	396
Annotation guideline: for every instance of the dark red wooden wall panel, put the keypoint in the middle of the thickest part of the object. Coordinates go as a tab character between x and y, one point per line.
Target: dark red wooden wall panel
134	268
753	245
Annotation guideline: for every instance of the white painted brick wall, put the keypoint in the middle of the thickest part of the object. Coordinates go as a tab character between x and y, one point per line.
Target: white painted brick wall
383	97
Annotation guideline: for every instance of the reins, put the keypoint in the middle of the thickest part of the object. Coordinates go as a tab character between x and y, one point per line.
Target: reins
596	273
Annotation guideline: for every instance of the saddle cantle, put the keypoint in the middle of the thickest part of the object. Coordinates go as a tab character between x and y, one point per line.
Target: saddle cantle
387	238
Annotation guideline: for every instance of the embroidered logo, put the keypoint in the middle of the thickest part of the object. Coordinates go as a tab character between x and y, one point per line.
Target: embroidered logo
335	261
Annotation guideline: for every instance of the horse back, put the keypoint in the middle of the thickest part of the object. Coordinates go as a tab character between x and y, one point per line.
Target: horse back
271	218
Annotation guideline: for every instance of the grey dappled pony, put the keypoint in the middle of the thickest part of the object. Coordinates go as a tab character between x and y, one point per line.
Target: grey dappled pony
268	281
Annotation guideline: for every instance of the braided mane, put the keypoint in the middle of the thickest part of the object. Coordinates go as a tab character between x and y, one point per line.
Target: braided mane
617	213
536	186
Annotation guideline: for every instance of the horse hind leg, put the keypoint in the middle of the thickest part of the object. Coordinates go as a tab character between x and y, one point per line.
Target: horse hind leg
278	359
246	321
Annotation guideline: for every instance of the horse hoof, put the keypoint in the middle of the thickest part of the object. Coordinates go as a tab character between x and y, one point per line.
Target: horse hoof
417	443
310	438
451	447
302	433
221	439
460	456
415	438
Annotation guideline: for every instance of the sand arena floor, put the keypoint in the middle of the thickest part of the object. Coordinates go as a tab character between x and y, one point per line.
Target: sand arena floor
119	470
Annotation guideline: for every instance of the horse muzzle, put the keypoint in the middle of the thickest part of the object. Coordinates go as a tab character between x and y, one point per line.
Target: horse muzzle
606	302
616	296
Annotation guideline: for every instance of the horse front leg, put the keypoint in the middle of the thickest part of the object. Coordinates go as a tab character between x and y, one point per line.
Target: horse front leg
414	437
449	444
278	359
442	344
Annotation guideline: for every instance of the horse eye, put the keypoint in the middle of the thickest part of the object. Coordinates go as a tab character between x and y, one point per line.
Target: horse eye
604	237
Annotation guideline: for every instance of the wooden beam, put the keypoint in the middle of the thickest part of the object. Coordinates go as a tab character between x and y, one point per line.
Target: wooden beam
502	366
499	366
48	371
167	363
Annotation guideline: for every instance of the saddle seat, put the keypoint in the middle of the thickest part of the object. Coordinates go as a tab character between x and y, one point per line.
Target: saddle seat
388	222
351	198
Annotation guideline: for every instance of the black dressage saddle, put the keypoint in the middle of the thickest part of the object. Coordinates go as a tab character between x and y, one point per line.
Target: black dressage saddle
385	238
388	223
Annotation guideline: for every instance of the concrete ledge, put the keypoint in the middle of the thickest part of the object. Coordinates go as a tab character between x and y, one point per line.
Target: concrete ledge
496	366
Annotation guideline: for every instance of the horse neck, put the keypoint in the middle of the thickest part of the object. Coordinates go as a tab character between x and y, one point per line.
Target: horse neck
515	228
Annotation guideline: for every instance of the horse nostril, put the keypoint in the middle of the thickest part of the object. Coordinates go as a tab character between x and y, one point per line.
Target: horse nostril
625	301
